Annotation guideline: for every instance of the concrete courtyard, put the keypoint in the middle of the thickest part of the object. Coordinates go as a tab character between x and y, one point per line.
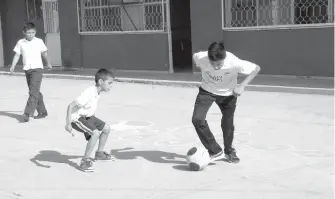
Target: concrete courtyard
285	142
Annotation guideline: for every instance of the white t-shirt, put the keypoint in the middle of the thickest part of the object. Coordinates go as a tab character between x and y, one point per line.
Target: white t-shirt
31	52
223	81
87	103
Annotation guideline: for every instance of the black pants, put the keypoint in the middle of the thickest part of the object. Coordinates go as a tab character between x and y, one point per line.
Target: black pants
227	105
35	100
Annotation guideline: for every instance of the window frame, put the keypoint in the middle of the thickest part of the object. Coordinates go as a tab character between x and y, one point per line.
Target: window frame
330	9
163	30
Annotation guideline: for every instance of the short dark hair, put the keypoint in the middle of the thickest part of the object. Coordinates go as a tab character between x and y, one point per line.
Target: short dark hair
103	74
28	26
216	51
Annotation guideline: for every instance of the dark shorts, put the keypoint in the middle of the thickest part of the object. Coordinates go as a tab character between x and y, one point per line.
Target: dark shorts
87	125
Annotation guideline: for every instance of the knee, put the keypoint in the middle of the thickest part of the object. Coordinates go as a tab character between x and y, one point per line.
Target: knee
106	129
35	93
228	129
95	134
197	120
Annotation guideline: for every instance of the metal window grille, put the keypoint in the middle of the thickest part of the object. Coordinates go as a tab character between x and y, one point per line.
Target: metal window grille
244	14
34	10
98	16
50	16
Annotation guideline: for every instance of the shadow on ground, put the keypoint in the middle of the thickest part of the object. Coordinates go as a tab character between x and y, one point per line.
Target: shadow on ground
13	114
49	156
54	157
152	156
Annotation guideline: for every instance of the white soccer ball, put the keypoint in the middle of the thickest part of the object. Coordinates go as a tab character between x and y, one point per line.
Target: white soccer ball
197	158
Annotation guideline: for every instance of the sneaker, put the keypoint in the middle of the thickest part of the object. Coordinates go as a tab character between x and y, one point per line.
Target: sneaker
216	156
101	155
86	165
26	117
41	115
232	157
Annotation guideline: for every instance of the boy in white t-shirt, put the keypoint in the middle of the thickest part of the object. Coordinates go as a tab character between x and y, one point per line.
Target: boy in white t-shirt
220	70
32	50
81	117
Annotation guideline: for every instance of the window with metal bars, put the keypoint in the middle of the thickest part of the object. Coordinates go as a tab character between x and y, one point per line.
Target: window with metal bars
96	16
244	14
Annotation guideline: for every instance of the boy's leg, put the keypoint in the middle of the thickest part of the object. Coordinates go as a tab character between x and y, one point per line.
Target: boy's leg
227	106
28	79
27	73
103	138
91	143
105	130
202	104
35	78
41	110
87	126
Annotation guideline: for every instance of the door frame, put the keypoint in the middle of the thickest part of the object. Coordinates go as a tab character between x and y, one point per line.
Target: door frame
2	61
53	31
169	35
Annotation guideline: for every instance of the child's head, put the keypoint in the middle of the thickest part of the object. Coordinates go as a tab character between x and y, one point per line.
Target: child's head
103	79
29	30
216	54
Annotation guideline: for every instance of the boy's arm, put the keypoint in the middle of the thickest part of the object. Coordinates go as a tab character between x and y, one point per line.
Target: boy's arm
198	59
44	54
79	102
247	68
250	76
70	108
68	126
14	62
195	60
46	59
16	58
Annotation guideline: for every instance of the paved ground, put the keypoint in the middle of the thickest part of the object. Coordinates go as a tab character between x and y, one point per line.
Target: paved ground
285	142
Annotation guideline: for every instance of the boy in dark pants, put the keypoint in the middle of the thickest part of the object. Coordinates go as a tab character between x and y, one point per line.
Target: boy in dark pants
32	50
220	70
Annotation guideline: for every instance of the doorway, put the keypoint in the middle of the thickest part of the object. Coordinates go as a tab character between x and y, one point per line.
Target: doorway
44	13
180	23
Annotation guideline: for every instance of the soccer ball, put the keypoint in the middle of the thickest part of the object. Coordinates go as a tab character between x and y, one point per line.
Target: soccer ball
197	158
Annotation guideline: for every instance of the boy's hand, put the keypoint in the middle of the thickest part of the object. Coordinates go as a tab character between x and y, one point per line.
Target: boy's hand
68	128
11	69
238	91
49	66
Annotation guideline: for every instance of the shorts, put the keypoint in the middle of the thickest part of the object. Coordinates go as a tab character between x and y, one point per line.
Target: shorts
87	125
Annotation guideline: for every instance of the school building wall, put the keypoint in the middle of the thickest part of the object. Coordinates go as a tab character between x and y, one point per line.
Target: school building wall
301	52
119	51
